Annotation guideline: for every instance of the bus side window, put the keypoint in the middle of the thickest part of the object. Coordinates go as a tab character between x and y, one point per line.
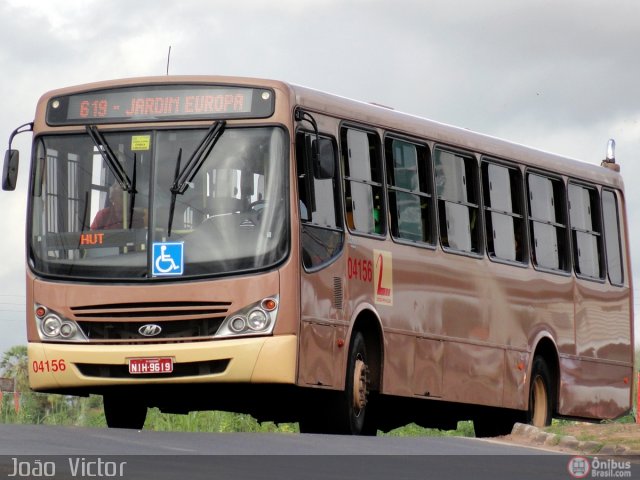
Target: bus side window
612	237
318	204
410	196
457	190
586	232
363	181
547	218
504	212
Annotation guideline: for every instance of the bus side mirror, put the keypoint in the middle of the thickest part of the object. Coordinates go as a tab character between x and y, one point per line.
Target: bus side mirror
324	165
10	170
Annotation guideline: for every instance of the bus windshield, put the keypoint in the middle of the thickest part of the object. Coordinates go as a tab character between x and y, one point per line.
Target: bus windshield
229	217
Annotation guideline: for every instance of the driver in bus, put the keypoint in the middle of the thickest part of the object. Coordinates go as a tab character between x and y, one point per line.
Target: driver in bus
110	217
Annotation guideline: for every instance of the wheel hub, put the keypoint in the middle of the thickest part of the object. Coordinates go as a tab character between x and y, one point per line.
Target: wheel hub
360	385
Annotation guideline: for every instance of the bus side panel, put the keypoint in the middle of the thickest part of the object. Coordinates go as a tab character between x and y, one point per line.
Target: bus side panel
322	359
410	366
473	374
427	377
515	394
318	347
603	340
592	389
399	368
603	322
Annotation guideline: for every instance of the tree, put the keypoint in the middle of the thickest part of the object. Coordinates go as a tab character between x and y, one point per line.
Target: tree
15	364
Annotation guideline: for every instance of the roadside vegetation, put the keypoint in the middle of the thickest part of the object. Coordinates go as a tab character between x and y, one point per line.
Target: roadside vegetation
28	407
43	409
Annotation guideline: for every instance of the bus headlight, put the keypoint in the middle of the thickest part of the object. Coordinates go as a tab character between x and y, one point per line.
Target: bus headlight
54	327
256	319
68	330
51	326
238	324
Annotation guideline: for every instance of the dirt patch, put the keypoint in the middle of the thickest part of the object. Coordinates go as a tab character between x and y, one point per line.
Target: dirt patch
627	434
591	436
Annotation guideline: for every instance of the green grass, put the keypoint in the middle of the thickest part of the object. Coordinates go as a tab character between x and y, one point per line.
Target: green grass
214	421
36	408
465	429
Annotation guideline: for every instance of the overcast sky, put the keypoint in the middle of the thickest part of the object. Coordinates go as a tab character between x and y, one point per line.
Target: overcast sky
561	76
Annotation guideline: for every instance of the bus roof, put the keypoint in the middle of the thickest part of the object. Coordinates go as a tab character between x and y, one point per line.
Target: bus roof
440	133
369	114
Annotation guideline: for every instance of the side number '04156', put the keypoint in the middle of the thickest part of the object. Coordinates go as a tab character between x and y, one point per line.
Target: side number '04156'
360	269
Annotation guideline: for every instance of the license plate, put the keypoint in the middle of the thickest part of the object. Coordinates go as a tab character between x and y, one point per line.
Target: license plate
145	366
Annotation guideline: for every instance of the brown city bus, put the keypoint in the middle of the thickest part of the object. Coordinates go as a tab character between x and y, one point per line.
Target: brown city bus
253	246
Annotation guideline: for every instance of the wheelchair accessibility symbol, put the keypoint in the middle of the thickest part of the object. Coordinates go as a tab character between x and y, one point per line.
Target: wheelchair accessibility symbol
168	259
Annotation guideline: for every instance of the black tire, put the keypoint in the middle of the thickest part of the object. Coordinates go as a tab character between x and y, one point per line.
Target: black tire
121	411
539	414
350	412
355	409
540	410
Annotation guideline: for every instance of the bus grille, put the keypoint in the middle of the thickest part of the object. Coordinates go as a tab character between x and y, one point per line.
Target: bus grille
123	322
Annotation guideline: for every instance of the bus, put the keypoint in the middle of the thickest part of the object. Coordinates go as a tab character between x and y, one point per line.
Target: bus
254	246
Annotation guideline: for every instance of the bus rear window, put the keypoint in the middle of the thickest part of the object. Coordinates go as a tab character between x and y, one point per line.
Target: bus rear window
612	237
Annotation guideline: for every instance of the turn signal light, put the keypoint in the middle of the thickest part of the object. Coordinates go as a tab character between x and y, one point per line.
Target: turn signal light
269	304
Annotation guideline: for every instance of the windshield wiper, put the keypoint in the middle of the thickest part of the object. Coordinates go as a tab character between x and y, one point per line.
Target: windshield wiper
183	177
132	193
110	158
173	194
199	155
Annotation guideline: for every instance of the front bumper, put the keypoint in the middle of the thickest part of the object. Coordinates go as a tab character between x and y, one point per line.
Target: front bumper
242	360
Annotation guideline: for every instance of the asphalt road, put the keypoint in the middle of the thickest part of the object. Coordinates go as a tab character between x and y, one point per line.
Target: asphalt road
59	452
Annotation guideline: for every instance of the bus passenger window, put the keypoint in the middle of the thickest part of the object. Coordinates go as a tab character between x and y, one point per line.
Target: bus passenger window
363	181
504	213
410	198
547	218
612	237
319	205
586	233
457	190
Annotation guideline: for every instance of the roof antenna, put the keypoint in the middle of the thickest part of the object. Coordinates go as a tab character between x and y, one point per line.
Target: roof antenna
168	59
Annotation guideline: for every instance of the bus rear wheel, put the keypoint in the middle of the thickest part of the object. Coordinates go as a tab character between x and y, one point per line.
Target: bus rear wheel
121	411
540	410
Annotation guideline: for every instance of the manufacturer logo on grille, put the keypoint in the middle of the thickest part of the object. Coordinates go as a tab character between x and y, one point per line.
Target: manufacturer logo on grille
150	330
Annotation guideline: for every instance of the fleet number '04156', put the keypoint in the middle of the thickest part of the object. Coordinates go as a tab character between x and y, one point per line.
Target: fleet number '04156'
42	366
360	269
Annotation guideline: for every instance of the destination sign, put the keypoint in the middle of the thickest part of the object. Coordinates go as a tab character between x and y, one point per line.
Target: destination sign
153	102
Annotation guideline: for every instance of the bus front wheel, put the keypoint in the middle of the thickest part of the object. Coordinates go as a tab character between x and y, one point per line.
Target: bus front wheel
121	411
356	415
